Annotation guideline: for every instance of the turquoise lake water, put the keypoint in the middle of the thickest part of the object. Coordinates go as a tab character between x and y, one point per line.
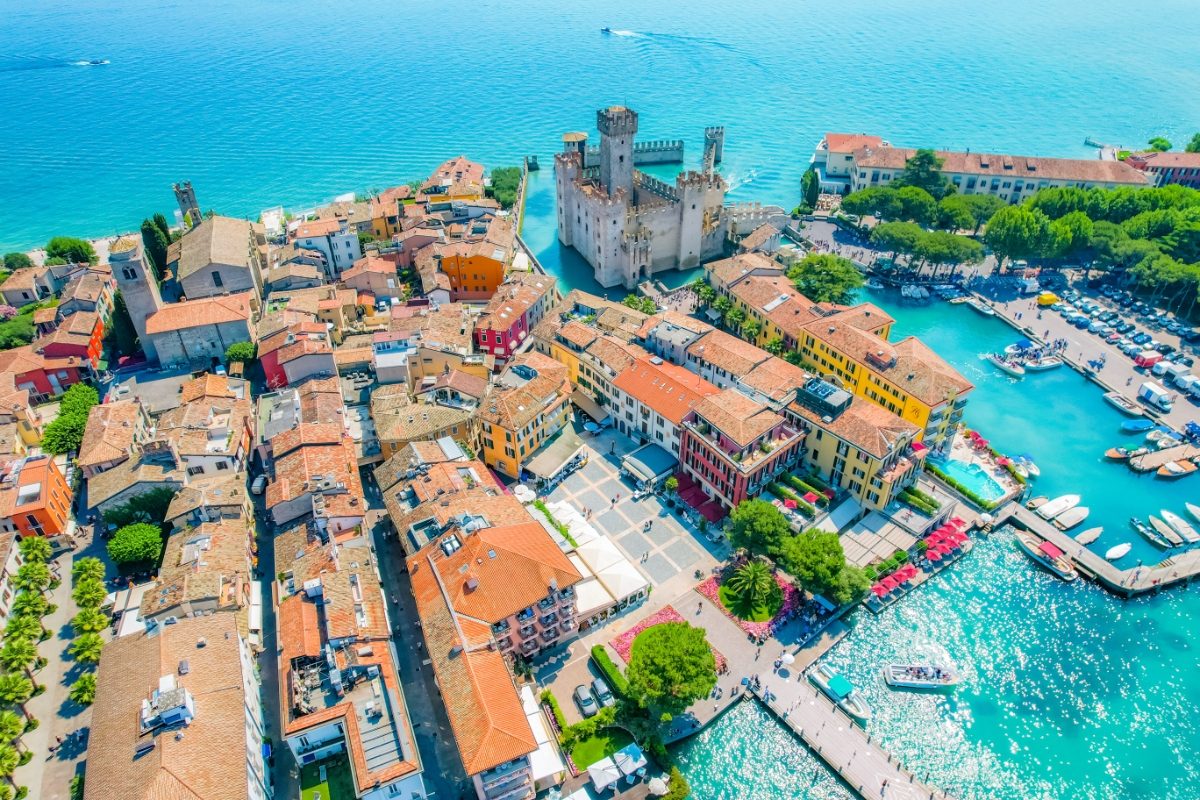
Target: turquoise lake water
1070	693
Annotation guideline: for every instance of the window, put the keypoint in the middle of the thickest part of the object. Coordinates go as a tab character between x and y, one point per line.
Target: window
222	465
195	470
216	276
129	274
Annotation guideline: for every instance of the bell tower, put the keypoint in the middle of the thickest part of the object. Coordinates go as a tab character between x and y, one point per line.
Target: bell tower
138	287
617	126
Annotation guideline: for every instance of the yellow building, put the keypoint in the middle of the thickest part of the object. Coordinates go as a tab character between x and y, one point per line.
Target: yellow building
526	410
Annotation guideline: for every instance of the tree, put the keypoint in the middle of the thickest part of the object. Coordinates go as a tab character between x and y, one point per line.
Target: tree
774	345
1070	234
706	294
155	243
1192	147
32	577
30	604
34	548
12	727
816	559
505	183
88	567
752	583
22	626
643	304
83	691
943	247
15	691
1017	232
71	250
877	201
90	620
967	211
240	351
89	593
750	329
917	205
1159	144
149	506
826	278
924	170
722	304
670	667
78	399
19	655
122	336
810	187
10	759
160	222
86	648
758	527
64	434
16	261
734	317
139	542
16	332
897	237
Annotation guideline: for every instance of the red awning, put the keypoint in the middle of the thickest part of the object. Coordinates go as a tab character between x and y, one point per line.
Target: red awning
809	497
789	504
919	446
933	555
878	590
1050	549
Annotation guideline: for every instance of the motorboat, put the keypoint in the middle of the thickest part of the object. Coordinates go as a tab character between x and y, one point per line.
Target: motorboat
1176	469
1125	452
1010	367
930	677
1182	526
1033	469
1071	517
1089	536
980	306
1118	552
606	30
1058	505
874	283
1042	364
1123	404
1148	533
1161	438
1048	555
1166	531
1017	348
1037	502
1193	509
1137	425
842	692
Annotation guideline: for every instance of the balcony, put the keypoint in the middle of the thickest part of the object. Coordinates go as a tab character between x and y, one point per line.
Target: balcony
528	631
749	457
549	636
506	643
528	646
526	614
548	620
567	625
500	627
545	603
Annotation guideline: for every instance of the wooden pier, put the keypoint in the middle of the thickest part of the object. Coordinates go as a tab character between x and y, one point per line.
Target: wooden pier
1177	569
1157	458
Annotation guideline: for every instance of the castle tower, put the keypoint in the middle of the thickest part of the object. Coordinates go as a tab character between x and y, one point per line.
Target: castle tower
714	147
575	142
617	126
138	286
185	196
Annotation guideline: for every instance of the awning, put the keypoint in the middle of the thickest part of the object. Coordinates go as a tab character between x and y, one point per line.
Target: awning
604	773
841	516
549	459
650	463
589	406
839	687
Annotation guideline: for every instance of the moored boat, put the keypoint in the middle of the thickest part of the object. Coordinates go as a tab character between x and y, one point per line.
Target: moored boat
1166	531
1120	551
1137	425
874	283
1033	469
1150	534
933	677
1042	364
1193	509
1089	536
1048	555
1176	469
981	307
842	692
1058	505
1181	526
1123	404
1010	367
1125	452
1037	502
1071	517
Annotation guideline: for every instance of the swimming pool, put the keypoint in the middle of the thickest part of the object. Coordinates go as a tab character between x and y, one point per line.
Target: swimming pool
974	477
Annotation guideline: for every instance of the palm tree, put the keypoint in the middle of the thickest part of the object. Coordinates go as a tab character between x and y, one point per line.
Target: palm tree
86	648
12	728
10	759
83	691
87	567
32	577
35	548
751	583
89	593
15	690
30	604
90	620
23	627
19	655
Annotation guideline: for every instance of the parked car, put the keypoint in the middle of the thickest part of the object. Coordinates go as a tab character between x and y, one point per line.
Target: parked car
603	693
1141	338
1113	337
585	701
1165	348
1125	327
259	484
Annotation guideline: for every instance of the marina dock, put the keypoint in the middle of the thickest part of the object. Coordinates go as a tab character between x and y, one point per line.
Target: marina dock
1157	458
1177	569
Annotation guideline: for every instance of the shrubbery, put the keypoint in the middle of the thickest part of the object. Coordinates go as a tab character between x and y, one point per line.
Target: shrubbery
612	673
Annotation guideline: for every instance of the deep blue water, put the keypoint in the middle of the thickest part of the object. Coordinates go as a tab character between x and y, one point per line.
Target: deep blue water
1070	693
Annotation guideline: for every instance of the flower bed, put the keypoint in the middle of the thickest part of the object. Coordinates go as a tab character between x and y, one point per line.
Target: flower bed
792	599
623	644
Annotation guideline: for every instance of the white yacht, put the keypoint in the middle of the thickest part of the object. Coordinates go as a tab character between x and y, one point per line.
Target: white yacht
1052	508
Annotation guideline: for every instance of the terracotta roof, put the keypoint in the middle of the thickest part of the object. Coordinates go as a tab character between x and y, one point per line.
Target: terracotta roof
222	491
670	317
578	334
306	346
513	407
370	263
216	240
306	434
399	418
278	339
206	426
737	416
318	227
152	472
667	389
775	378
759	237
1174	159
198	763
445	492
614	354
299	473
205	311
728	271
865	425
208	564
456	176
22	279
459	381
110	432
513	299
213	387
849	142
1030	168
723	351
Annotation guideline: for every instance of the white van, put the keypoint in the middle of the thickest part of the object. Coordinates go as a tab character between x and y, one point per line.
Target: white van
1185	382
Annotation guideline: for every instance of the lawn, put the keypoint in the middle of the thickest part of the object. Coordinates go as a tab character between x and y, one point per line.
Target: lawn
760	612
604	743
338	783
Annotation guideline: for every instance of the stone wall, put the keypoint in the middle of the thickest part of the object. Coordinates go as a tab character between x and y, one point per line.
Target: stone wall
667	151
196	347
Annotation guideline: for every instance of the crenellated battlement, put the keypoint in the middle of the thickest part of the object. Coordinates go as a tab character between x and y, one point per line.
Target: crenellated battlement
617	121
654	186
699	180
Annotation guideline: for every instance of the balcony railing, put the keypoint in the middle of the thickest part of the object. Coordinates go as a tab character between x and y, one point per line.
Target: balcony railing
528	631
549	619
750	456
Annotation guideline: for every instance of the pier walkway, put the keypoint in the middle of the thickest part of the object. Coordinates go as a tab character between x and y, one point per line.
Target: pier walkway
1157	458
1177	569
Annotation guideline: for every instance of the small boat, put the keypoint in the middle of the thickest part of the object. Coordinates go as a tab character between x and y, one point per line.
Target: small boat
1030	467
1012	368
842	692
1042	364
1058	505
933	677
606	30
1125	452
1048	555
1037	502
1176	469
1089	536
1017	348
874	283
1166	531
980	306
1193	509
1123	404
1184	528
1151	535
1071	517
1118	552
1136	425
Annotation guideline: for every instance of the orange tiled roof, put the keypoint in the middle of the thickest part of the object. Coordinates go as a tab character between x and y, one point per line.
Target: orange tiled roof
667	389
205	311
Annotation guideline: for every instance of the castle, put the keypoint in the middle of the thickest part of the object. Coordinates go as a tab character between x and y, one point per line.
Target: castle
629	225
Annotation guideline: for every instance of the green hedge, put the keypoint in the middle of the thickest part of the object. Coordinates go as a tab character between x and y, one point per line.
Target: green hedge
609	669
804	486
784	493
918	500
986	505
816	480
549	698
558	526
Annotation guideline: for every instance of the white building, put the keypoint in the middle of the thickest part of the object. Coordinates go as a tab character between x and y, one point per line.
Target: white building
335	239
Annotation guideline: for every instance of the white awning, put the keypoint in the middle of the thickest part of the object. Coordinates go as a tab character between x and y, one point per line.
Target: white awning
840	517
589	406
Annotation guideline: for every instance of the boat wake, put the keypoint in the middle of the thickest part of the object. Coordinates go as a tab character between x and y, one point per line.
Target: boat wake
26	63
680	41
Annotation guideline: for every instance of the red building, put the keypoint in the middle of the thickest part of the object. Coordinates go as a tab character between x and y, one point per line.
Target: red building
1180	168
517	306
80	335
271	348
733	446
45	377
